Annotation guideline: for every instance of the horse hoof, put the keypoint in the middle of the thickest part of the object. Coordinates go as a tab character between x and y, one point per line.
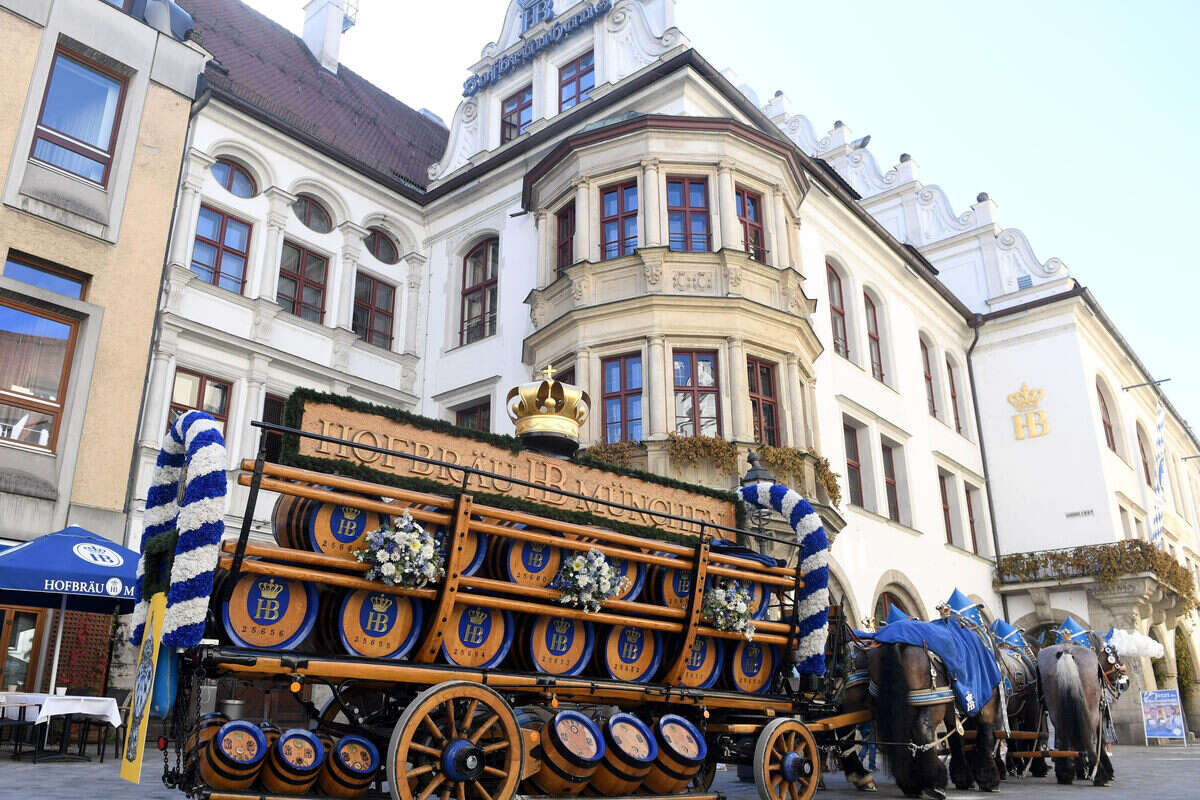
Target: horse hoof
933	793
868	786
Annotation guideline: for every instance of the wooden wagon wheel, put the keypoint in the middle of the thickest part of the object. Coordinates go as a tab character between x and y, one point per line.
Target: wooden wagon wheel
787	765
705	777
456	740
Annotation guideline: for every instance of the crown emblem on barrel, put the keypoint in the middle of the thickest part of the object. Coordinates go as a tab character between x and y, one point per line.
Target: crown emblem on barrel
477	616
548	414
381	603
562	625
269	589
349	512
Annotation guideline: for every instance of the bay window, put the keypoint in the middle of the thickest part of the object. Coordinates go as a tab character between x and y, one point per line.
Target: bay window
763	401
618	219
749	211
621	398
687	214
697	403
565	228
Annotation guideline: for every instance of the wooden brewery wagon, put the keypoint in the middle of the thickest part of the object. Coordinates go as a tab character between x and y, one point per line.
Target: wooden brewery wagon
484	686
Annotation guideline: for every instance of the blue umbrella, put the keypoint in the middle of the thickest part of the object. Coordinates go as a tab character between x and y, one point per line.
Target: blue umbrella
69	569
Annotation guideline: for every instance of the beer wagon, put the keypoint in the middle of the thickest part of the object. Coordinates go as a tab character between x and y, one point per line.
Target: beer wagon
484	685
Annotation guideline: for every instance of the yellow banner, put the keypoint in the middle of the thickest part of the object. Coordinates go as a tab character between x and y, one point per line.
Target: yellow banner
143	688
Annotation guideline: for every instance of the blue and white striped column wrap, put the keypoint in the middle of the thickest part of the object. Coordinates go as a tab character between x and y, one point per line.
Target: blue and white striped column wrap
193	443
812	603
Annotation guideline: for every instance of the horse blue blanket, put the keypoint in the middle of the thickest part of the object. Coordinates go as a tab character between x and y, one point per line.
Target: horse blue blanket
969	660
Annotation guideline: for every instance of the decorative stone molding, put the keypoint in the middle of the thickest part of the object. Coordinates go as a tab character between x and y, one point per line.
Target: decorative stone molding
692	281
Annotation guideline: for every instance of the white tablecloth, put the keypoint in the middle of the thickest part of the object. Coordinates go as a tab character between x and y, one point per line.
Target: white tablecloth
100	708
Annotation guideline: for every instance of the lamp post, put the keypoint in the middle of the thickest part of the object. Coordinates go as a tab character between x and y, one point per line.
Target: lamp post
755	475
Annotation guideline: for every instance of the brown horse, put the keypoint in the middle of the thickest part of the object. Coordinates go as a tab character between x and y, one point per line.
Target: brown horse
855	697
1024	705
1072	682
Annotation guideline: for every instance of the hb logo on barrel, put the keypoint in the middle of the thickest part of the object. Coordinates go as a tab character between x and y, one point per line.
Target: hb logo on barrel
534	556
682	583
474	627
699	650
380	613
267	599
751	660
559	636
345	523
631	645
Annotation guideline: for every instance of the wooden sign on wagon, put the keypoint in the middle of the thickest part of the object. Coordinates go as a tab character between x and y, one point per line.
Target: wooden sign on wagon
375	430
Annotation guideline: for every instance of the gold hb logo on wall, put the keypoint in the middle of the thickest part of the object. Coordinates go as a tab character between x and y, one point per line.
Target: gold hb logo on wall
268	606
1029	422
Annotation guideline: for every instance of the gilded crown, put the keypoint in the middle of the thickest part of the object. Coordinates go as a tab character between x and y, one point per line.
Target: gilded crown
633	635
349	512
562	625
269	588
381	603
477	615
548	408
1027	399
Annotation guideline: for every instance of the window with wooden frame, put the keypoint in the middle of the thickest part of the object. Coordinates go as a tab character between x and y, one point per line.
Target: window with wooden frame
943	479
883	606
273	406
46	275
971	496
312	213
618	219
687	215
565	230
889	481
516	112
21	634
621	398
576	79
566	375
1110	437
221	249
930	394
763	401
873	340
837	312
477	416
235	178
80	117
302	275
479	292
1142	451
194	391
697	402
853	465
374	310
749	211
381	246
36	352
953	395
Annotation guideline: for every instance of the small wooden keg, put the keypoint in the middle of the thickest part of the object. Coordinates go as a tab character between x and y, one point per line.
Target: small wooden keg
321	527
350	766
475	548
704	664
672	587
629	653
271	733
271	613
377	625
203	730
572	748
529	563
555	645
681	753
233	757
477	636
630	751
631	575
752	666
293	763
287	520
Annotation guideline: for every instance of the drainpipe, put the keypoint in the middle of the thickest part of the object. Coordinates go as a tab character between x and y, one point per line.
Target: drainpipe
977	323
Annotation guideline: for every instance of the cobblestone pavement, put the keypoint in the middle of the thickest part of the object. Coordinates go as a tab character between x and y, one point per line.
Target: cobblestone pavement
1142	774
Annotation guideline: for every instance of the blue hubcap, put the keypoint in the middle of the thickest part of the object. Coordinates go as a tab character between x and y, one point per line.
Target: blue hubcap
794	767
462	760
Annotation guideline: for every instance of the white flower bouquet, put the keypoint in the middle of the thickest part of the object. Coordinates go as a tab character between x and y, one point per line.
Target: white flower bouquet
727	605
586	581
404	554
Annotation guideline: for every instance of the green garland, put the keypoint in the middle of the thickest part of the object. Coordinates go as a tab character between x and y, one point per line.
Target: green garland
1185	671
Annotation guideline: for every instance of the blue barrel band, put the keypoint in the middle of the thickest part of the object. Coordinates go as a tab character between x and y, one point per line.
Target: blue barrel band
692	729
642	727
354	738
585	722
240	725
318	750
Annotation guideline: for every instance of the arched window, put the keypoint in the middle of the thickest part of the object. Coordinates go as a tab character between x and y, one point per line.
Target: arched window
309	210
888	598
479	292
1142	451
873	341
380	245
930	395
234	177
953	395
1110	437
837	312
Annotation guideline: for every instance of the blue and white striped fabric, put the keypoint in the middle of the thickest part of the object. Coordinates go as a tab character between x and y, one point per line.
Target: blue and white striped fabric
812	604
1160	473
193	443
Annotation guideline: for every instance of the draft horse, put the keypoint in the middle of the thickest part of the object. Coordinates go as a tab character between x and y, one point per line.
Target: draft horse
1024	705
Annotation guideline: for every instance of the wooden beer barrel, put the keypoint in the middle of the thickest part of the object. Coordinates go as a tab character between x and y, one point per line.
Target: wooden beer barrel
528	563
350	766
377	625
672	587
760	598
327	634
286	519
681	753
631	574
555	645
322	527
572	748
475	547
477	636
203	730
234	756
752	666
269	613
271	733
630	653
704	664
630	750
293	763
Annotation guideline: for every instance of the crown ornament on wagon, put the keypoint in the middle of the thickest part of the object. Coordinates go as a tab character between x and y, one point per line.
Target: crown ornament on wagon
549	414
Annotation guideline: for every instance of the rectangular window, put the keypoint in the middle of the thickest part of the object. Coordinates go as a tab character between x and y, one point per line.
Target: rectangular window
749	211
972	495
374	307
763	401
565	220
477	417
273	413
837	312
853	465
622	398
566	376
36	349
516	114
1126	530
193	391
943	479
687	214
889	482
302	282
953	395
873	342
1141	531
697	404
79	118
221	249
929	393
479	292
576	81
45	275
618	219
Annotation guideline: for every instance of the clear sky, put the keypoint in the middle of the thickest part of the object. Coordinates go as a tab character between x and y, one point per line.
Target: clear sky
1078	117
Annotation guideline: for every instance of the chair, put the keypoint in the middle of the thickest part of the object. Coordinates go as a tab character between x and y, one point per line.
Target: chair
123	697
22	724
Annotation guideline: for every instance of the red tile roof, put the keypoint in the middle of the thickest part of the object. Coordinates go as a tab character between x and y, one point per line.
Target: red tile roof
271	74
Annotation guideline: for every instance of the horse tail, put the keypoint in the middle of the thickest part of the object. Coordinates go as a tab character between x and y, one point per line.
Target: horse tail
1072	729
892	720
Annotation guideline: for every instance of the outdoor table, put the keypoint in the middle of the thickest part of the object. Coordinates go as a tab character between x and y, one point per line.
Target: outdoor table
103	709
